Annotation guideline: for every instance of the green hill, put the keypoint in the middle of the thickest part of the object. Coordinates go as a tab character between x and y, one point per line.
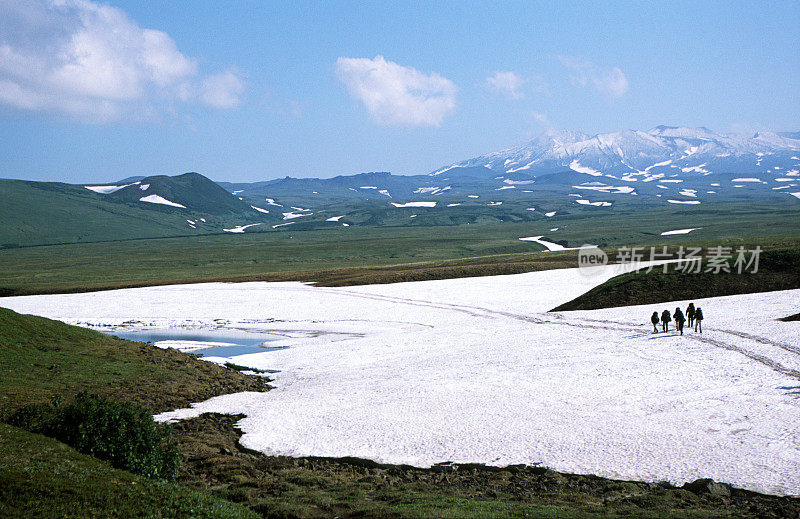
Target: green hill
40	213
778	270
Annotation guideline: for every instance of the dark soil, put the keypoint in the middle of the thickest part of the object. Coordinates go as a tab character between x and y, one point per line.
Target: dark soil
277	486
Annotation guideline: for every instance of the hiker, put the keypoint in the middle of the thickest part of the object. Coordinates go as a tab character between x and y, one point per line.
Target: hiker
679	320
654	320
665	319
698	319
690	314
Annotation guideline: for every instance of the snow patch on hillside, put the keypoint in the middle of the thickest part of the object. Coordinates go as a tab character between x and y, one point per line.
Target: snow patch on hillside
414	204
156	199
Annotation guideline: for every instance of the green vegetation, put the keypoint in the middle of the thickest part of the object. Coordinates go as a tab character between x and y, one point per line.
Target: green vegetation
122	433
278	486
340	256
778	270
41	358
41	477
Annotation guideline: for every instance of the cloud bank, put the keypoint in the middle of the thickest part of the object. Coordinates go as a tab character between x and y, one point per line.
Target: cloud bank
395	95
611	83
92	62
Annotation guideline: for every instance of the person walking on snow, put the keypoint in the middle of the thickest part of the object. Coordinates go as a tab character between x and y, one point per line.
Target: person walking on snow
690	314
654	320
679	320
698	319
665	319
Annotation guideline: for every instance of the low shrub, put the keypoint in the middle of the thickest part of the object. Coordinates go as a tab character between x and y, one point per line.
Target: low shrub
122	433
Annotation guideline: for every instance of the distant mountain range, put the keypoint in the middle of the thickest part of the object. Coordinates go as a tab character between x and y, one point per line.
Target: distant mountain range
558	173
637	155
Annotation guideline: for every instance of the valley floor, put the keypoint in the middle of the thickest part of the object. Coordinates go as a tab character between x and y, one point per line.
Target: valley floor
477	370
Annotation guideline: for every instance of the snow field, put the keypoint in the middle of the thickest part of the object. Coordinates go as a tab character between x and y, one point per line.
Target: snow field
477	370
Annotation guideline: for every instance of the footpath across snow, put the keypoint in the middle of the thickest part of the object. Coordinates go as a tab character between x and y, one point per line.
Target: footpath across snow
477	370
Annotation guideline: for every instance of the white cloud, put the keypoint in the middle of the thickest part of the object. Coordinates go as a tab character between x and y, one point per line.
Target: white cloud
611	83
506	83
222	90
540	118
92	62
397	95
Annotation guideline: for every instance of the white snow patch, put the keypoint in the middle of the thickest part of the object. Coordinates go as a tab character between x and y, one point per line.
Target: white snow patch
282	224
144	187
550	214
271	201
596	204
292	215
453	205
797	195
597	186
748	179
240	228
505	187
415	204
155	199
680	231
443	170
657	164
553	246
369	187
695	169
472	196
672	180
423	190
576	166
334	218
259	209
689	202
495	203
105	190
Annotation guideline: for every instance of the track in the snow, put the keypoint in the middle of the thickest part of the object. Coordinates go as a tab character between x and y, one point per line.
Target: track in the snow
560	320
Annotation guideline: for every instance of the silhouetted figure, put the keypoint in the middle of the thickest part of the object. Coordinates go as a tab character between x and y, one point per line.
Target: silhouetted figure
665	319
679	320
654	320
698	319
690	314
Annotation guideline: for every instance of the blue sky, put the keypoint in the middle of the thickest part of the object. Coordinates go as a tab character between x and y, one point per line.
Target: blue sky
252	90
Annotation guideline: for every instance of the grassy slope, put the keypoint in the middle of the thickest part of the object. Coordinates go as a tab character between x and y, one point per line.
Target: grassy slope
778	270
41	477
48	212
40	358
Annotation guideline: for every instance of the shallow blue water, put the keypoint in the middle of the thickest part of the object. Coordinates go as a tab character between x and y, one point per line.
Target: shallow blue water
242	342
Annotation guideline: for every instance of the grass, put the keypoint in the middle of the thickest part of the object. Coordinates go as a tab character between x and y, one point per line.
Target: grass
41	477
779	269
327	487
41	358
359	255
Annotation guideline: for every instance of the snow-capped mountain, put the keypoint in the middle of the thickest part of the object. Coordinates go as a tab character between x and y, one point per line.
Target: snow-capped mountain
644	155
